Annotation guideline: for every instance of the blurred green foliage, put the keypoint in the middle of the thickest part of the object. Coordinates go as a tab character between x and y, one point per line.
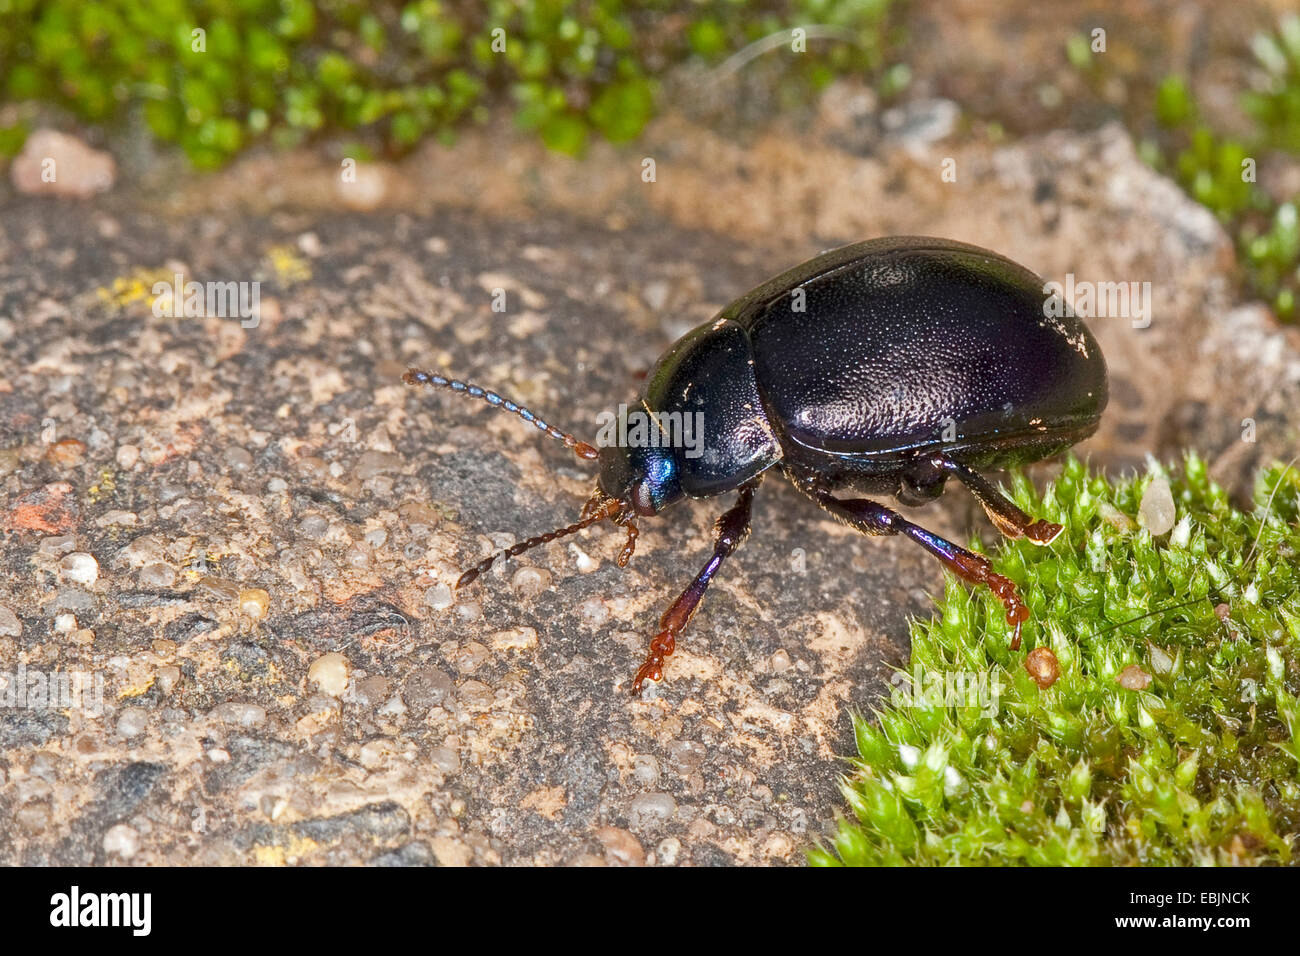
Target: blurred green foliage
1172	734
215	75
1221	171
1277	106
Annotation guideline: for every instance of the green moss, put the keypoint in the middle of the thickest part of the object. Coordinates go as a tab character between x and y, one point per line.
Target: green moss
1277	107
1201	766
283	70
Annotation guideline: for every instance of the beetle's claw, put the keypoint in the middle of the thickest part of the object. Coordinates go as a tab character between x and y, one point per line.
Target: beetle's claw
1044	532
649	671
661	646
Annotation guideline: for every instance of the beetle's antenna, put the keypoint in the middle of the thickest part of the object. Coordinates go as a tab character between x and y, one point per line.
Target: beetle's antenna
417	377
611	508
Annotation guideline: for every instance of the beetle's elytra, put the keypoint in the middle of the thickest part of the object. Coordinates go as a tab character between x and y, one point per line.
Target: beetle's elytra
883	368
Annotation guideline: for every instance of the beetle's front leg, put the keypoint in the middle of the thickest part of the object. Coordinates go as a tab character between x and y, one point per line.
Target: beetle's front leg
1002	511
729	531
871	517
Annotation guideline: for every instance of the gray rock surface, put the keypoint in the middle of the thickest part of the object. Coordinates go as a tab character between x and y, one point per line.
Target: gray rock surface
257	498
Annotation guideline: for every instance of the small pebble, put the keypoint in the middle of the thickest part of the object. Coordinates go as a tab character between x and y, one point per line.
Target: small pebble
74	600
585	562
1133	677
621	847
127	456
66	453
374	463
645	770
219	588
779	661
1157	513
530	582
375	753
649	810
132	722
238	459
157	575
427	687
122	841
1043	667
593	611
475	696
253	602
79	568
376	538
168	677
313	526
80	171
10	626
33	818
239	713
515	639
470	657
65	623
330	674
445	759
58	544
439	597
667	852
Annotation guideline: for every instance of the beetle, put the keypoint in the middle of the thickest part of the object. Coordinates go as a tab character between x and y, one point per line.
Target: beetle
886	367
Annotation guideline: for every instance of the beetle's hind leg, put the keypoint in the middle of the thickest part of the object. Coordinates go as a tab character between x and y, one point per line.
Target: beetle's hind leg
729	531
873	518
1002	511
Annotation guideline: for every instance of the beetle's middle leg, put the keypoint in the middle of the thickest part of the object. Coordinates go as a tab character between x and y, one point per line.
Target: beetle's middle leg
930	472
729	531
871	517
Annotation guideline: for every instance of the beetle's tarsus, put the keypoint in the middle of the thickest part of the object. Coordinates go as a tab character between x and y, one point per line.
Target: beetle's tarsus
729	531
1002	511
871	517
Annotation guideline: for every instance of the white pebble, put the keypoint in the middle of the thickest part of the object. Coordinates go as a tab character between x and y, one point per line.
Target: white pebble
439	597
79	568
121	840
330	674
132	722
127	456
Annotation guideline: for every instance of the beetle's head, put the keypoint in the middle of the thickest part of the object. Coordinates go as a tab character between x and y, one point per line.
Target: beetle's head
643	478
633	480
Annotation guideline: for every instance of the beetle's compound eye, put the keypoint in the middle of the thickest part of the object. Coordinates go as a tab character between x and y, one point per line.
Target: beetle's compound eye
643	500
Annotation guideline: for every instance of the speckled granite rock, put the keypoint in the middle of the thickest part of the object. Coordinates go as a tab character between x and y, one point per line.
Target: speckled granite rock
257	496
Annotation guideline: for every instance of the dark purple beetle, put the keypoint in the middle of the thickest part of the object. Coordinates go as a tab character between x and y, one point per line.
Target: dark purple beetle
886	368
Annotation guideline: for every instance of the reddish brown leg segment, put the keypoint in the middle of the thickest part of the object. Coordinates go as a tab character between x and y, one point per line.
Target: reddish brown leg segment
1002	511
729	531
871	517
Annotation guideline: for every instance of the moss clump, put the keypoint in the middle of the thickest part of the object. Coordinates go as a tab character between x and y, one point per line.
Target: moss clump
1170	737
215	75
